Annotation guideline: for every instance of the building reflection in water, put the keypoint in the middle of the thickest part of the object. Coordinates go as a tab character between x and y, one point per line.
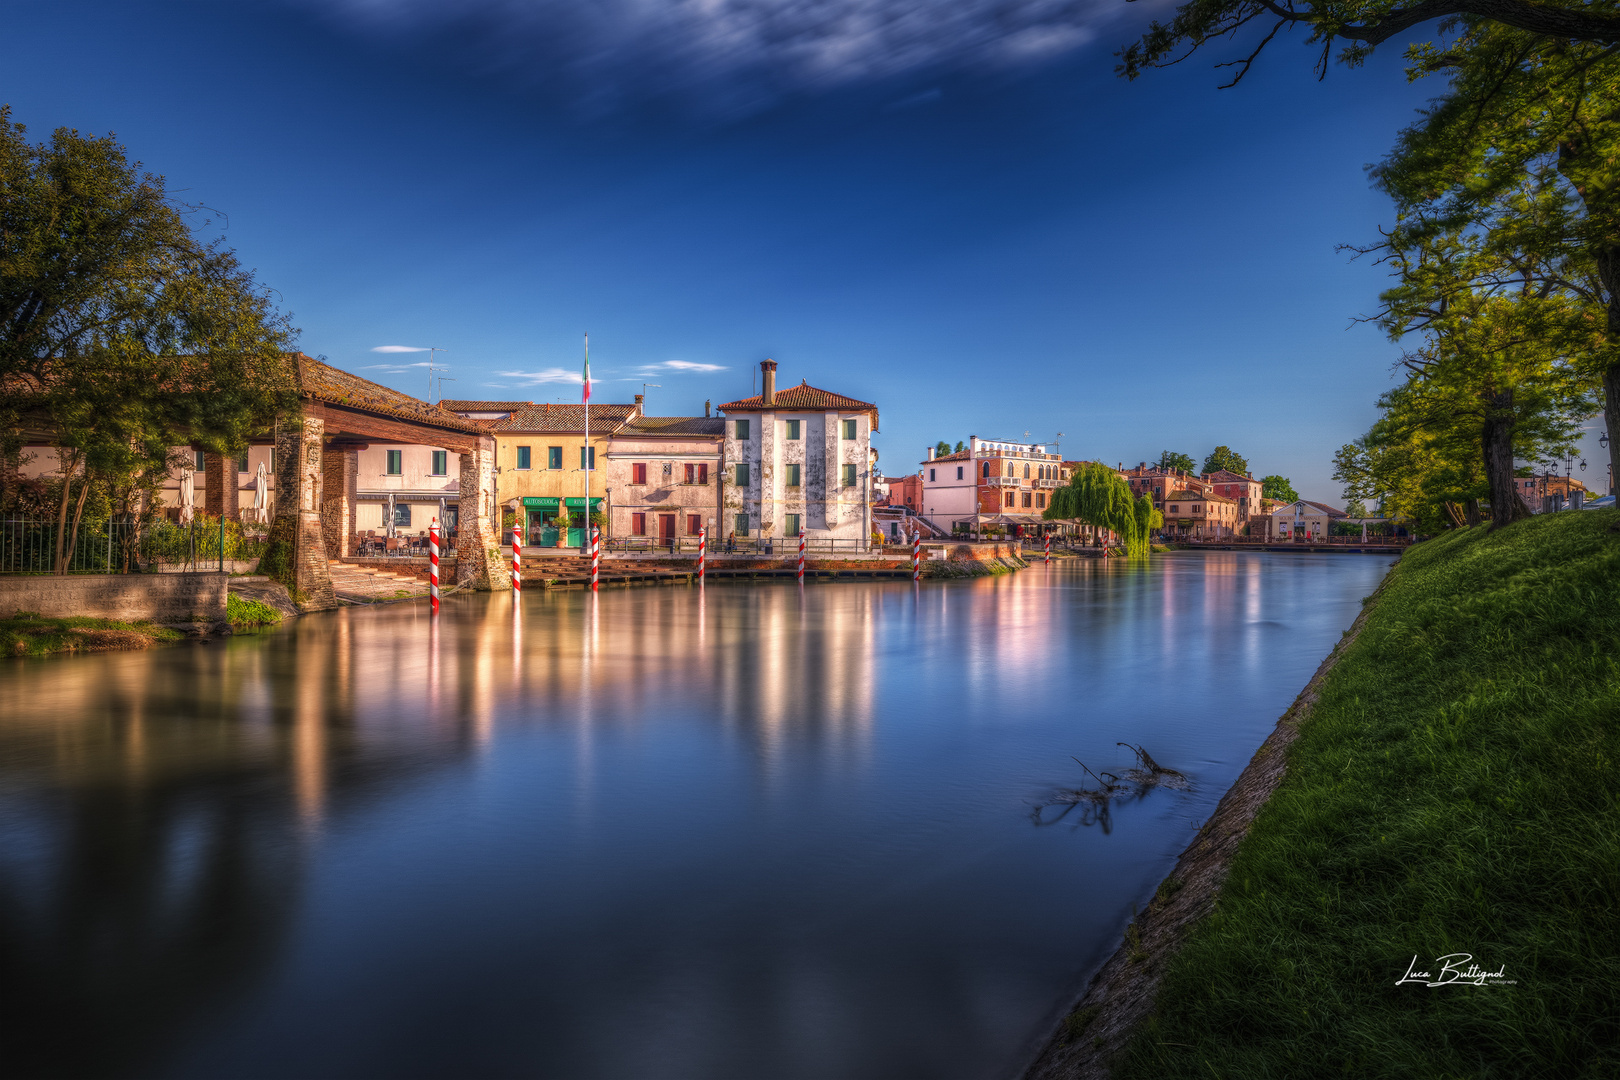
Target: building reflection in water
780	828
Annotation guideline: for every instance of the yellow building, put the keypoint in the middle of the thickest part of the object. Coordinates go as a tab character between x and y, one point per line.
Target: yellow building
542	464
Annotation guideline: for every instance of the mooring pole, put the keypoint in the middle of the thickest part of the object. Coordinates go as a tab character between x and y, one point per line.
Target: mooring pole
801	555
517	564
433	564
596	555
1048	547
916	555
703	550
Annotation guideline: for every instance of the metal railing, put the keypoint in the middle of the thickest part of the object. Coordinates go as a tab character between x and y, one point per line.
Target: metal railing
28	546
771	547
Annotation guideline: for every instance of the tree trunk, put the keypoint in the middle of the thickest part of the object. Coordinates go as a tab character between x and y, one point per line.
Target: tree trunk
1471	512
1608	267
69	466
78	515
1454	512
1611	415
1497	440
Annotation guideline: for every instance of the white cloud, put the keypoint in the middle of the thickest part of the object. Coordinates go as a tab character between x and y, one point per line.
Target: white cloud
549	375
399	348
680	366
728	56
394	367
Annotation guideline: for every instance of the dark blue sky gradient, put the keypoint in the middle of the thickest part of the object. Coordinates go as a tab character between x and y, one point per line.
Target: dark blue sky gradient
1142	266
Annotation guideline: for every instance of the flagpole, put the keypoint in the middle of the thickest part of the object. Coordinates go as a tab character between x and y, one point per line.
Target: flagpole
586	453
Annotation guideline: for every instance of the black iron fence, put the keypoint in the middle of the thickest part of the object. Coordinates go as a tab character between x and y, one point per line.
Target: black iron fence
29	546
769	547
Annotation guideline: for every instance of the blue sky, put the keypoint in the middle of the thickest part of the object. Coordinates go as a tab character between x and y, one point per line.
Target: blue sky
966	218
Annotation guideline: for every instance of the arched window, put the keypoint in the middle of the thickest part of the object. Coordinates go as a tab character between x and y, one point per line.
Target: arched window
1026	472
986	469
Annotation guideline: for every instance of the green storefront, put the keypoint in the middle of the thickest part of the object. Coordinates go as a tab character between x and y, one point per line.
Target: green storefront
542	519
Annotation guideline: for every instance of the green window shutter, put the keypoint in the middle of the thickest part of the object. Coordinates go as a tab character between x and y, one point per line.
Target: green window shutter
739	524
849	430
441	462
849	475
396	462
793	429
790	523
742	431
742	475
523	457
553	457
583	459
793	476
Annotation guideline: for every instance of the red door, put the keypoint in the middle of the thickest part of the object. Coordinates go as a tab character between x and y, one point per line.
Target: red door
666	528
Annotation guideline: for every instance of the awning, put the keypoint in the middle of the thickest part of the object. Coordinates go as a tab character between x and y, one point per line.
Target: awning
545	503
579	504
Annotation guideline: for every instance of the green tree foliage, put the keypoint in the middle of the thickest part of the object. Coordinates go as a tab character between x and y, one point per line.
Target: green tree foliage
1224	457
1099	496
1356	509
1277	487
1170	461
120	330
960	446
941	448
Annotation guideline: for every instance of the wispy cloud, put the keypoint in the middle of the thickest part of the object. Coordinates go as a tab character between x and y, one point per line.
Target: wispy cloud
679	367
394	367
549	375
730	56
399	348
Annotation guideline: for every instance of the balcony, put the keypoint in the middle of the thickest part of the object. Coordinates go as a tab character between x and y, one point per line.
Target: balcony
1003	481
1048	483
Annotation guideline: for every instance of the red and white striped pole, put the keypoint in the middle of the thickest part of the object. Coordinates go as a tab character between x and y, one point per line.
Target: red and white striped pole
916	555
1048	547
517	563
703	550
801	556
596	555
433	564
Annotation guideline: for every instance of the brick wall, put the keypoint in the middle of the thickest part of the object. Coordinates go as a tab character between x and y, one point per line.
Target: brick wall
161	598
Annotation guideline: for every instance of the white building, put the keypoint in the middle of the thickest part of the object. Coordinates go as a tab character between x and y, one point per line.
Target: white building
950	488
799	459
1304	520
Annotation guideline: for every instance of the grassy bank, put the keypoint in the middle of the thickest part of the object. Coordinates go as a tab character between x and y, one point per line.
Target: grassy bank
27	634
1456	790
244	613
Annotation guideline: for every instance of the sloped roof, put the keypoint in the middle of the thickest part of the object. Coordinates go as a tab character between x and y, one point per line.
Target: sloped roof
459	405
960	455
333	386
564	418
806	398
1332	512
1227	476
714	426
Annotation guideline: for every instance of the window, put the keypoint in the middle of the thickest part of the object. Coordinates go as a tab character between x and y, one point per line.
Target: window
523	457
241	462
793	473
1009	498
1174	509
703	474
793	429
396	462
849	476
1026	472
638	524
638	474
402	511
272	464
959	472
587	461
930	476
742	431
790	525
694	524
739	522
985	469
1040	502
849	430
553	457
199	461
1195	508
742	475
441	462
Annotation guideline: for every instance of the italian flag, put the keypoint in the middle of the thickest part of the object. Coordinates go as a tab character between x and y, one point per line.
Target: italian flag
587	375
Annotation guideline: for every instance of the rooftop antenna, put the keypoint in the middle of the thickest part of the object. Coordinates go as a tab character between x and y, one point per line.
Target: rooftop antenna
434	369
644	386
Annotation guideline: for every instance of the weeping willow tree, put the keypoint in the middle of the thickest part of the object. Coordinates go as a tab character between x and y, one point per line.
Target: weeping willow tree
1099	496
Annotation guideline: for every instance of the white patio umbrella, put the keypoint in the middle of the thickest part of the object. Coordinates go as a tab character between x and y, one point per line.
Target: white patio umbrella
441	517
188	495
388	516
261	495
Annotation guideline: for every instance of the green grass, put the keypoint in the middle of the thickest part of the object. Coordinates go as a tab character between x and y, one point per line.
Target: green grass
30	634
242	613
1455	790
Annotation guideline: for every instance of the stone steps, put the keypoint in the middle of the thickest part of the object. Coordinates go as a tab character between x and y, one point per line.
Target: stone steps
368	585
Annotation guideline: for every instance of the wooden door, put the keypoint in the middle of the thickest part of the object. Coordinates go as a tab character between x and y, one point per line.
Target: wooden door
666	528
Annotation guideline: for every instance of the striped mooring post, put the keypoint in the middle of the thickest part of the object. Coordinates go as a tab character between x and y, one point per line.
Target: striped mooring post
433	564
703	549
1048	547
801	556
596	555
517	564
916	555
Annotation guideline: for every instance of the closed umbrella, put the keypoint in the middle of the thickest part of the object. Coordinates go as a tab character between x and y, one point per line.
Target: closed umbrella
388	520
261	495
188	495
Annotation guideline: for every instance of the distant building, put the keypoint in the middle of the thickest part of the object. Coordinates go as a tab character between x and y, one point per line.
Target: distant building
1241	488
906	491
1147	479
1304	520
1544	494
991	483
664	478
1200	514
799	458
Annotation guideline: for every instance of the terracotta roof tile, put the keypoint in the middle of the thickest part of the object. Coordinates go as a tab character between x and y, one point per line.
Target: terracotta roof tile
806	398
564	418
460	405
333	386
675	425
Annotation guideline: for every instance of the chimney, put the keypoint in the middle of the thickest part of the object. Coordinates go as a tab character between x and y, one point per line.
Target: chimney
639	398
707	405
931	450
767	370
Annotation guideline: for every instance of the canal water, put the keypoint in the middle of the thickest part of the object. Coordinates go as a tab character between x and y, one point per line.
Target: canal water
735	831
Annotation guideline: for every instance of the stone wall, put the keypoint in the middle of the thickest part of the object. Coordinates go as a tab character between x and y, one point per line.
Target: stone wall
160	598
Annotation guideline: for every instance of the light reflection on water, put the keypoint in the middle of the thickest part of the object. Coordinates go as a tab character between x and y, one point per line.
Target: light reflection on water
688	832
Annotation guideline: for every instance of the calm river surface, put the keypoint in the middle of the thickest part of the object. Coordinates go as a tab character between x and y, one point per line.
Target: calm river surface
740	831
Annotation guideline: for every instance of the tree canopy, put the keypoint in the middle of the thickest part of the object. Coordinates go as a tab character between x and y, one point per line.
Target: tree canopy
120	330
1170	461
1277	487
1224	457
1099	496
